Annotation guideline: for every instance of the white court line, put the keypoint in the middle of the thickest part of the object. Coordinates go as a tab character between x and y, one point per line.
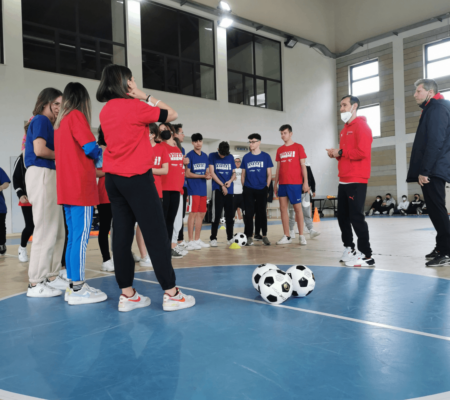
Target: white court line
4	395
359	321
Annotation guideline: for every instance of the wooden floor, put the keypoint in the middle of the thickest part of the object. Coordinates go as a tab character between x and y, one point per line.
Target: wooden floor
398	243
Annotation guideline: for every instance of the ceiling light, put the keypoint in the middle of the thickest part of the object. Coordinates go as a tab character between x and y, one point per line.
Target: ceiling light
224	6
291	42
225	22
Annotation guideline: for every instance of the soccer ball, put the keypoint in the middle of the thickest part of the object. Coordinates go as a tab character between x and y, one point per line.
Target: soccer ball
275	286
240	239
303	280
259	272
222	221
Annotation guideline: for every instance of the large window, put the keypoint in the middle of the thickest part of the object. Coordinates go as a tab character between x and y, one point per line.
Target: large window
73	37
254	70
364	78
373	115
446	94
177	51
437	59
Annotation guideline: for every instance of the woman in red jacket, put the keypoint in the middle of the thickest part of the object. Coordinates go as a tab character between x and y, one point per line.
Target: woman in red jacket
128	164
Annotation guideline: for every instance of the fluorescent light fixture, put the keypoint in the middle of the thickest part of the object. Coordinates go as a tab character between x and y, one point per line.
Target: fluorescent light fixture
224	6
208	29
225	22
290	43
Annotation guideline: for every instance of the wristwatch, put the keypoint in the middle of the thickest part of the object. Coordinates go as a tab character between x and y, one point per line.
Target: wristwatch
340	153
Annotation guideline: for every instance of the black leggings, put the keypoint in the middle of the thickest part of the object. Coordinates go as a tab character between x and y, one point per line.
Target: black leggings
221	202
135	199
105	218
181	234
255	204
29	225
171	202
2	229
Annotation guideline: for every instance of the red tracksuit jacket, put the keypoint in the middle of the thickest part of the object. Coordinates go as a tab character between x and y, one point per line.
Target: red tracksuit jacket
356	144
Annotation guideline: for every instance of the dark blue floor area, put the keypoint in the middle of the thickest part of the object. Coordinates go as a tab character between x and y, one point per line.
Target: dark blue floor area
227	348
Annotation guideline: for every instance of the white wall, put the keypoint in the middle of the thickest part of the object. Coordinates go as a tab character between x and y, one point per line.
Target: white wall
309	93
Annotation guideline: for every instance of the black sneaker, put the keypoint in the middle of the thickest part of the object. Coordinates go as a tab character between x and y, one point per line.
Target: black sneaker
2	249
432	255
266	241
440	261
257	237
249	242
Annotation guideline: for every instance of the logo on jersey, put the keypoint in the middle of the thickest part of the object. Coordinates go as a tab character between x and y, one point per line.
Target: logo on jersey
226	167
176	156
199	167
157	161
287	154
255	164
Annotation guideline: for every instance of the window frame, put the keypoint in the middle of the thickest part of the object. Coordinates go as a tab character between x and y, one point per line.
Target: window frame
1	33
77	36
425	57
181	59
255	76
370	106
352	81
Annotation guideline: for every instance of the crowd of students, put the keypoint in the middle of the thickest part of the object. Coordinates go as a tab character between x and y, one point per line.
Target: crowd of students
388	206
138	177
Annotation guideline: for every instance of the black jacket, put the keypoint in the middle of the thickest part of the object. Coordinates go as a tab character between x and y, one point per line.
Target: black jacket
311	180
19	177
430	154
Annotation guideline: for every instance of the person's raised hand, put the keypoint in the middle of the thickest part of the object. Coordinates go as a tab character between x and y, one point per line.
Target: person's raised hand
135	92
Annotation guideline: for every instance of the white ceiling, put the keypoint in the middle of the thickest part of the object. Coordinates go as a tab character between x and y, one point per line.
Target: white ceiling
338	24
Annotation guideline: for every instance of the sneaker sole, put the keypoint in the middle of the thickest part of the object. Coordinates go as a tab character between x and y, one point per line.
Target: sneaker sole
281	244
53	295
144	304
177	256
178	306
142	264
438	265
77	302
107	269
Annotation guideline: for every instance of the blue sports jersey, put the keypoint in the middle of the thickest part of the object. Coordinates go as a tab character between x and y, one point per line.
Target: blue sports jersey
40	127
3	178
223	168
198	164
256	169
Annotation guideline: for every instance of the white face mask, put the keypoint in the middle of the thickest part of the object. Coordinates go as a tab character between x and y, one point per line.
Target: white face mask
404	198
378	199
346	116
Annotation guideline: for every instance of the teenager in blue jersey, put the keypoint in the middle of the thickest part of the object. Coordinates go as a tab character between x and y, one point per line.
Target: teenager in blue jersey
197	173
256	178
222	169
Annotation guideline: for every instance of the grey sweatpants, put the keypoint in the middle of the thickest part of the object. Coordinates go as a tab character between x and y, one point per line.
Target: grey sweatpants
306	213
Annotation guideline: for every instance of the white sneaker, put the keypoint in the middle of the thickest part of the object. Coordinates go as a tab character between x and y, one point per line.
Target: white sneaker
306	230
296	230
313	233
176	254
302	240
67	293
131	303
108	266
347	255
145	262
361	261
239	221
292	233
86	295
177	302
371	211
181	250
377	213
391	211
63	273
192	245
183	244
200	243
384	212
213	243
136	258
42	290
230	242
284	240
23	255
58	283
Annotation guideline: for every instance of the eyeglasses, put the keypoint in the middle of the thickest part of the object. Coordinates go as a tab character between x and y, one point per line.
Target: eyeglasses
253	141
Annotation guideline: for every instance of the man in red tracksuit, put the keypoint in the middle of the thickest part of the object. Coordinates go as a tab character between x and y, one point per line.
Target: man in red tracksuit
353	158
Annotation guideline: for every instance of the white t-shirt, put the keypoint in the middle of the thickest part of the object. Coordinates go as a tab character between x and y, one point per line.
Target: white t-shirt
238	182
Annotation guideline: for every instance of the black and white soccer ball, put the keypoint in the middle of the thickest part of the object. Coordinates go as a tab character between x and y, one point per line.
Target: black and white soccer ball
259	271
303	280
222	221
240	239
275	286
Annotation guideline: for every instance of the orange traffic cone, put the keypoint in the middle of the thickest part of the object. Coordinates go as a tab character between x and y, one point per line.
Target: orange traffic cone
316	216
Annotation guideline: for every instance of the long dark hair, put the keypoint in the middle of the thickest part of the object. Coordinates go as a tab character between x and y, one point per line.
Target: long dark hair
75	97
114	83
48	95
101	137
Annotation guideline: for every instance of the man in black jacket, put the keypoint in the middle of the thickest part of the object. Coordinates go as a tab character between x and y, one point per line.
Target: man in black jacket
430	163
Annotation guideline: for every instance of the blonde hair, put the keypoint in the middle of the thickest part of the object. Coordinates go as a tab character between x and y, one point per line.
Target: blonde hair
75	97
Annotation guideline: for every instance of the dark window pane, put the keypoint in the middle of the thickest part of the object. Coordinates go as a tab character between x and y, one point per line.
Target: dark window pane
267	58
205	82
249	93
173	75
235	88
95	18
196	39
260	94
58	14
240	51
274	95
153	71
39	49
187	78
106	54
67	54
88	59
159	29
